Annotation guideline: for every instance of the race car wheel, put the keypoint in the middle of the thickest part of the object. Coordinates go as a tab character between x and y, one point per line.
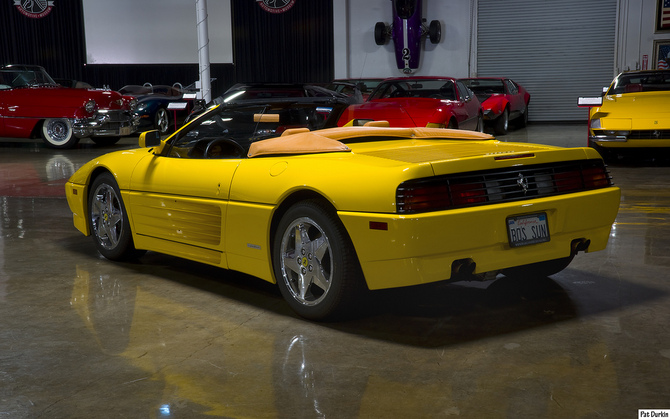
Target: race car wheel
502	123
109	223
435	31
58	133
315	265
380	33
162	121
105	141
539	269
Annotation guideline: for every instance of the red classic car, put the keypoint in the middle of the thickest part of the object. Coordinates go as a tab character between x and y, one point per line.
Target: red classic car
33	105
503	100
438	102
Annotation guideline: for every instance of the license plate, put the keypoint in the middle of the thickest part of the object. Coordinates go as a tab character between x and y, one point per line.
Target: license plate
124	131
528	229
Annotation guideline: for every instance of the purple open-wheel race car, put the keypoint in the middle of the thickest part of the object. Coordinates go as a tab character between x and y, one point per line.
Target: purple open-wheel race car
407	30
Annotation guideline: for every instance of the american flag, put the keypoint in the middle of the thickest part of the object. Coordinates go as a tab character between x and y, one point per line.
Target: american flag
665	15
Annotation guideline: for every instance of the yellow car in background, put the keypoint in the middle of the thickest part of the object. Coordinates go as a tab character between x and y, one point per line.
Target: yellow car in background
635	113
329	214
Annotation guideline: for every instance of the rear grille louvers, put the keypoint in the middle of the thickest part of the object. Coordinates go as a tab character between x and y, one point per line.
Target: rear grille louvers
500	185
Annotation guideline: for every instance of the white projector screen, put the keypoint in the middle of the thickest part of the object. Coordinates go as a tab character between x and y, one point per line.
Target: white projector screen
154	32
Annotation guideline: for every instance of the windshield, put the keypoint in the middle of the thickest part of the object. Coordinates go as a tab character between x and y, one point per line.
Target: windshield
435	89
13	77
485	87
227	132
641	82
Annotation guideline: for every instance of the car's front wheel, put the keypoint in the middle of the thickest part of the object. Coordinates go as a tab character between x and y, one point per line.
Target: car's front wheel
108	220
58	133
502	123
162	121
315	265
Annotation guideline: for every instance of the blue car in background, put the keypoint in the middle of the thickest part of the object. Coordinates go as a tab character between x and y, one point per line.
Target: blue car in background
160	107
407	31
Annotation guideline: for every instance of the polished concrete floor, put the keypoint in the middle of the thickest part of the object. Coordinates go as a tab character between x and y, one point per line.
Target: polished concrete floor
83	337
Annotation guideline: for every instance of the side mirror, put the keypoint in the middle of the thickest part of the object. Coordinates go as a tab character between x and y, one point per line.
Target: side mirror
150	139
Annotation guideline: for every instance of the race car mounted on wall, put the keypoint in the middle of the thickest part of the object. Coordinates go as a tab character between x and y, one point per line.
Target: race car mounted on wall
407	30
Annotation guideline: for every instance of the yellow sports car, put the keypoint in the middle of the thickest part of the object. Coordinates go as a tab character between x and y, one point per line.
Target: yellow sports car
635	113
329	214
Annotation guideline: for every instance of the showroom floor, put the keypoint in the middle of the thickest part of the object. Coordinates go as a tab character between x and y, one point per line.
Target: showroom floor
83	337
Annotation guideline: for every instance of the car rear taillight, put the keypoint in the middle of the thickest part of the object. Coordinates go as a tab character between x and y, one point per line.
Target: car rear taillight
465	194
500	185
422	197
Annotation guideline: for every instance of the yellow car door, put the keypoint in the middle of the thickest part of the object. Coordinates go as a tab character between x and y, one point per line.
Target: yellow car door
178	205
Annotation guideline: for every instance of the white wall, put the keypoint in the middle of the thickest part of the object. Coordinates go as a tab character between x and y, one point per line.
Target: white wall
637	25
357	55
154	32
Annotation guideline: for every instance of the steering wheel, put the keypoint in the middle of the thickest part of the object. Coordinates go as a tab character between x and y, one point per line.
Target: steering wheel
224	148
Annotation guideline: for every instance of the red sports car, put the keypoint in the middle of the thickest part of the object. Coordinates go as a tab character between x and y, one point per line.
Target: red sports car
33	105
437	102
503	100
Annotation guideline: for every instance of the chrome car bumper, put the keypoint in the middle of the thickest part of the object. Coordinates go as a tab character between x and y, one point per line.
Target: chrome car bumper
106	123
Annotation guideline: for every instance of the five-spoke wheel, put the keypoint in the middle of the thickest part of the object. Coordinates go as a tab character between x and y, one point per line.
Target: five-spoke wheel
108	220
315	265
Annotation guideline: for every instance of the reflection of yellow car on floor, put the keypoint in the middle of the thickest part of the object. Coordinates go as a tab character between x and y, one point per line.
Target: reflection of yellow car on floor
328	214
635	113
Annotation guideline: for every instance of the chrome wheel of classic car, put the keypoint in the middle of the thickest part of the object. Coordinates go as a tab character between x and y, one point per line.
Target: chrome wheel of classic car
502	123
162	121
108	220
58	133
315	264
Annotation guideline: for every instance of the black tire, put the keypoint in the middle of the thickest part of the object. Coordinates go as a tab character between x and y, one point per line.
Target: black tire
539	269
502	123
435	31
315	264
523	119
108	220
105	141
380	33
58	133
162	121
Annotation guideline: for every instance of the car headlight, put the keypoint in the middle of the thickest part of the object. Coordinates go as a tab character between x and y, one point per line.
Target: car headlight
132	104
90	106
142	106
595	123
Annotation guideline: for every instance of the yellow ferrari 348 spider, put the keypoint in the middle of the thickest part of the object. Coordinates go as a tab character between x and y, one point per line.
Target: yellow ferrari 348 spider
329	214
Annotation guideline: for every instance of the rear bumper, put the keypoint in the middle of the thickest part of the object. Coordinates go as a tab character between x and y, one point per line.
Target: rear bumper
421	248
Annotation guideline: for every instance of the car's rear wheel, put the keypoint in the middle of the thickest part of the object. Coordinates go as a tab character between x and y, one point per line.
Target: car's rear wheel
58	133
162	121
108	220
380	33
315	265
435	31
502	123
